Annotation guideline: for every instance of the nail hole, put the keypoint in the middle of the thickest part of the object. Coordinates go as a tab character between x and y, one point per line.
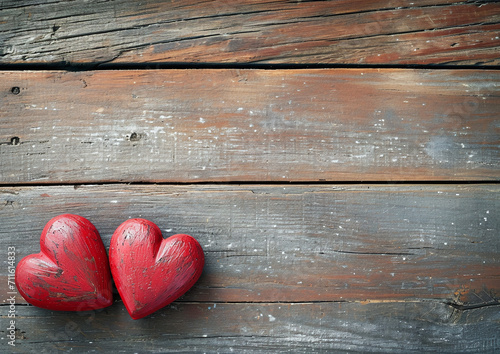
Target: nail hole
14	140
453	44
15	90
134	137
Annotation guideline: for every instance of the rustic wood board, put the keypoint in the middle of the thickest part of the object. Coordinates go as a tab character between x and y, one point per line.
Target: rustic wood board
249	125
297	243
358	268
255	328
279	32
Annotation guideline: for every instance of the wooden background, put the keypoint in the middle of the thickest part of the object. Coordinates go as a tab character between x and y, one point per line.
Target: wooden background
338	161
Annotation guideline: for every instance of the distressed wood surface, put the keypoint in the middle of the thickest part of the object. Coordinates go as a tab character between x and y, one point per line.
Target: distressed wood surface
298	243
256	328
361	268
249	125
295	267
320	32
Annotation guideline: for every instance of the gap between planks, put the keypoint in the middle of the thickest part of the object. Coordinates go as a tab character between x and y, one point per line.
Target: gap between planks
255	183
98	66
452	304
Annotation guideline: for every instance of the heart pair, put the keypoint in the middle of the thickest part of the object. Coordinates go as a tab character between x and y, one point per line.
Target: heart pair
72	273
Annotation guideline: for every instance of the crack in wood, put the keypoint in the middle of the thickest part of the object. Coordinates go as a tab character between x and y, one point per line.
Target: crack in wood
456	306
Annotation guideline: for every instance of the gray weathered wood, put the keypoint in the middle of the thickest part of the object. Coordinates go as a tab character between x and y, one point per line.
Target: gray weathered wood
328	32
249	125
297	243
412	327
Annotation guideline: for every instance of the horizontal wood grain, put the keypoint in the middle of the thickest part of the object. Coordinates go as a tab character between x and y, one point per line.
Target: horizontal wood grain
297	243
248	31
255	328
290	267
249	125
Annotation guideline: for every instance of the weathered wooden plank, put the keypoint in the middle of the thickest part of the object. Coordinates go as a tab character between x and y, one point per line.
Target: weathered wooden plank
413	327
328	32
297	243
249	125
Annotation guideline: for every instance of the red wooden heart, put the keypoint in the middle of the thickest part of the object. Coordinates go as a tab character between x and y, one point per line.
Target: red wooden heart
150	272
71	272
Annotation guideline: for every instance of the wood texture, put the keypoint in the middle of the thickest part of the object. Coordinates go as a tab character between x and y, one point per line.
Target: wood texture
296	267
298	243
71	271
319	32
149	271
273	328
361	268
249	125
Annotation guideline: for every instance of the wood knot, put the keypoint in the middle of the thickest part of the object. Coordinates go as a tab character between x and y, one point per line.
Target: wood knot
134	137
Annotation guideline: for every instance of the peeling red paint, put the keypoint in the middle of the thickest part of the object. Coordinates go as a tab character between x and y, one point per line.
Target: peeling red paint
71	272
150	272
